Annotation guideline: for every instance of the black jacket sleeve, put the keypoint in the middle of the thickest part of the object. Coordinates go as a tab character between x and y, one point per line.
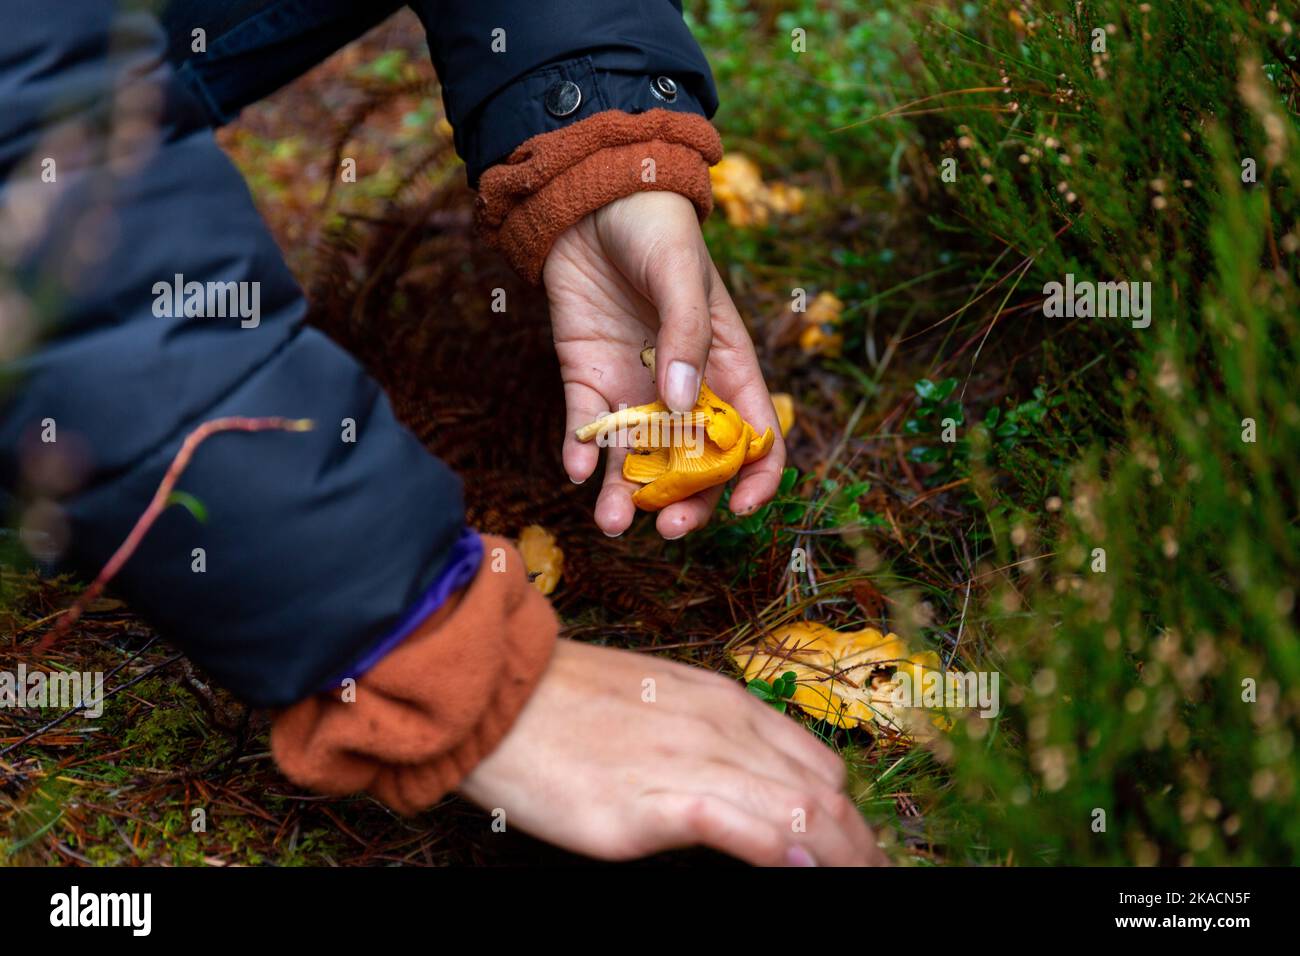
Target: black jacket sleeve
500	62
313	546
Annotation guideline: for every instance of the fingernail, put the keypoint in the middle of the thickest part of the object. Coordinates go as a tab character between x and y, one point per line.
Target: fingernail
676	537
682	387
798	856
577	481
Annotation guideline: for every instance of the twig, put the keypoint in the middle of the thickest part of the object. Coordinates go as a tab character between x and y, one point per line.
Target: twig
961	627
68	713
160	501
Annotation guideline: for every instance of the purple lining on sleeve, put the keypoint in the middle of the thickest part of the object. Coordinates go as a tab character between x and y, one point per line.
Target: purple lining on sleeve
462	564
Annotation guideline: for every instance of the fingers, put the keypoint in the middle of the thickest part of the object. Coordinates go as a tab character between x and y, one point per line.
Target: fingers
690	514
762	820
824	822
736	376
758	482
614	507
740	381
678	285
698	819
583	405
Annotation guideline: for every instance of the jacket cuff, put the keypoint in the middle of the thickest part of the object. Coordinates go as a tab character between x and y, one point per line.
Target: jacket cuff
422	718
563	93
555	179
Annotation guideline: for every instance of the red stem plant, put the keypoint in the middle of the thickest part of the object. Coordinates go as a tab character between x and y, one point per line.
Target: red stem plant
161	499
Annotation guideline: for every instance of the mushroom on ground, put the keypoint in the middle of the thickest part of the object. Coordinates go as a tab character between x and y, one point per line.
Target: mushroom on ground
542	557
821	334
783	402
739	189
846	678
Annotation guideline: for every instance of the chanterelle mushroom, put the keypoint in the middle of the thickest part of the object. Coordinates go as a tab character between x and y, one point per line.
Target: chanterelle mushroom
783	402
847	678
674	456
542	557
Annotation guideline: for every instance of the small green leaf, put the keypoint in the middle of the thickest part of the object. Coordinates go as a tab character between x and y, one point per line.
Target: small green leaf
926	455
954	411
190	504
944	389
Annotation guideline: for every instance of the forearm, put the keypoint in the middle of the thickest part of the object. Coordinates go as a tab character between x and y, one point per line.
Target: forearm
315	543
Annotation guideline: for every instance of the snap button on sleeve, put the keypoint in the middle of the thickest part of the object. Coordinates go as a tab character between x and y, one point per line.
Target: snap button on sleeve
664	88
563	98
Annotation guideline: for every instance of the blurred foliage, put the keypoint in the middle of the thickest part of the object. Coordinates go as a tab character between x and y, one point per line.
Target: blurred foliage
1163	690
1107	139
849	64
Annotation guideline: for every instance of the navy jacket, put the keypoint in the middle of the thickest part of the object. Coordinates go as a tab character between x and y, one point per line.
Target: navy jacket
313	546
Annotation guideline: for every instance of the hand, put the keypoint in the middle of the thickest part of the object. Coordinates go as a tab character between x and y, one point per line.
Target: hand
592	767
637	272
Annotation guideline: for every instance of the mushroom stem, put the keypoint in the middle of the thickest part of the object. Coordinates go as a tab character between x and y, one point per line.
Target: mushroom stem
624	417
662	423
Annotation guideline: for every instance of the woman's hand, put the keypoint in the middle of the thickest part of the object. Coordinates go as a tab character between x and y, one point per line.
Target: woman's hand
633	273
618	755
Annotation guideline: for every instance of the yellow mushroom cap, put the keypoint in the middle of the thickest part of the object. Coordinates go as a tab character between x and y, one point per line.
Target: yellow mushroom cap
783	402
679	471
758	446
724	424
739	189
542	557
847	678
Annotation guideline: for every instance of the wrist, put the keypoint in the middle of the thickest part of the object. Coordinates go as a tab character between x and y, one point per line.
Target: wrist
425	715
558	179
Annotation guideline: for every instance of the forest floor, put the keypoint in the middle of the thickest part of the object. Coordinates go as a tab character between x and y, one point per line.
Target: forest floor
900	531
122	788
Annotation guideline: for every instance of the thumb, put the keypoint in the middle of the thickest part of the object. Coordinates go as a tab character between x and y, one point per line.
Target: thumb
678	287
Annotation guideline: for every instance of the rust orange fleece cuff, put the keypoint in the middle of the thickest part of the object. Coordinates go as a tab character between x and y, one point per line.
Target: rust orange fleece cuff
555	179
435	705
